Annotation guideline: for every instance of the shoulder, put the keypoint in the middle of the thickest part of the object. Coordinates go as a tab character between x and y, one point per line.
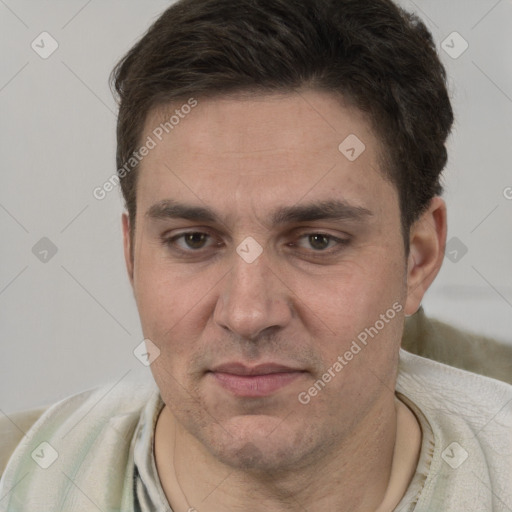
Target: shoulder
454	390
471	420
75	420
12	429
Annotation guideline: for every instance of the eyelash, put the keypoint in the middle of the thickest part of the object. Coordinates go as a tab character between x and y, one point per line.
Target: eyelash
340	243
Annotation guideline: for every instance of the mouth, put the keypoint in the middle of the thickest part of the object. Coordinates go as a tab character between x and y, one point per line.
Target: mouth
254	381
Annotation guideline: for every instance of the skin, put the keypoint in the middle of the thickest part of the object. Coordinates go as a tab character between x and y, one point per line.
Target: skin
301	303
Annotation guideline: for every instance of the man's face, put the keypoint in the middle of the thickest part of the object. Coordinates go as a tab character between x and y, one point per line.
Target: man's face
242	334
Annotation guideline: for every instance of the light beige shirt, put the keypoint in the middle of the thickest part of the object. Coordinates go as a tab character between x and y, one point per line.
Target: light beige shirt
94	451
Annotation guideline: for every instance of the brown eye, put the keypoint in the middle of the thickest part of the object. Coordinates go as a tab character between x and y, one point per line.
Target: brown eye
320	244
319	241
189	242
195	240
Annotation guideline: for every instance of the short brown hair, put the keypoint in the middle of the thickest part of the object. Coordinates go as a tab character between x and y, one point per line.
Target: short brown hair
377	56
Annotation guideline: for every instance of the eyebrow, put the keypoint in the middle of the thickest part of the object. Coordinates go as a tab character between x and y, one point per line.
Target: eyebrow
323	210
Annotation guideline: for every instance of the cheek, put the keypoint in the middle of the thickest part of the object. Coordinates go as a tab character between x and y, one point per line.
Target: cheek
174	305
344	304
357	289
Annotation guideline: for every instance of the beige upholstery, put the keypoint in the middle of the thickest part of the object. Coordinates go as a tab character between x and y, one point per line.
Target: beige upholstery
446	344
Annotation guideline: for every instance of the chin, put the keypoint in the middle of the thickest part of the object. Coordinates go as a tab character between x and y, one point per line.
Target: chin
259	444
257	458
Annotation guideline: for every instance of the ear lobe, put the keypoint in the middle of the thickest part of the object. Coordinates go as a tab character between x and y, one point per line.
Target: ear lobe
127	246
427	242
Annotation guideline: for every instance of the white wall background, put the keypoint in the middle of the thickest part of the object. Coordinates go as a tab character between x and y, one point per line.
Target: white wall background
70	323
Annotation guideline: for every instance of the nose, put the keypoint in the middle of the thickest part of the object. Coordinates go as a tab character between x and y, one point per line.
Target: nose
253	299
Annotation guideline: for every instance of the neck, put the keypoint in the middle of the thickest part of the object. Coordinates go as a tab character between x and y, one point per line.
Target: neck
368	471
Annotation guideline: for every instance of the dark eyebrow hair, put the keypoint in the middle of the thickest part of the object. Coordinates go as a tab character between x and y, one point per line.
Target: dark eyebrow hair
169	209
323	210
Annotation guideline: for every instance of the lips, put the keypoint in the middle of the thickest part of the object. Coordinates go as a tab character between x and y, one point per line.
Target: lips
254	381
260	369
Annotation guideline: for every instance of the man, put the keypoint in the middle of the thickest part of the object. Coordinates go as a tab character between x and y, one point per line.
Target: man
280	164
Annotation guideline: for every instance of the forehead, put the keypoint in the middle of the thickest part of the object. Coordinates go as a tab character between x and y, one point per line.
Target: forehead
272	147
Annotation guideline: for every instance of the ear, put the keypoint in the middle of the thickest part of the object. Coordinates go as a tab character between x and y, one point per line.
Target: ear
427	240
127	246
